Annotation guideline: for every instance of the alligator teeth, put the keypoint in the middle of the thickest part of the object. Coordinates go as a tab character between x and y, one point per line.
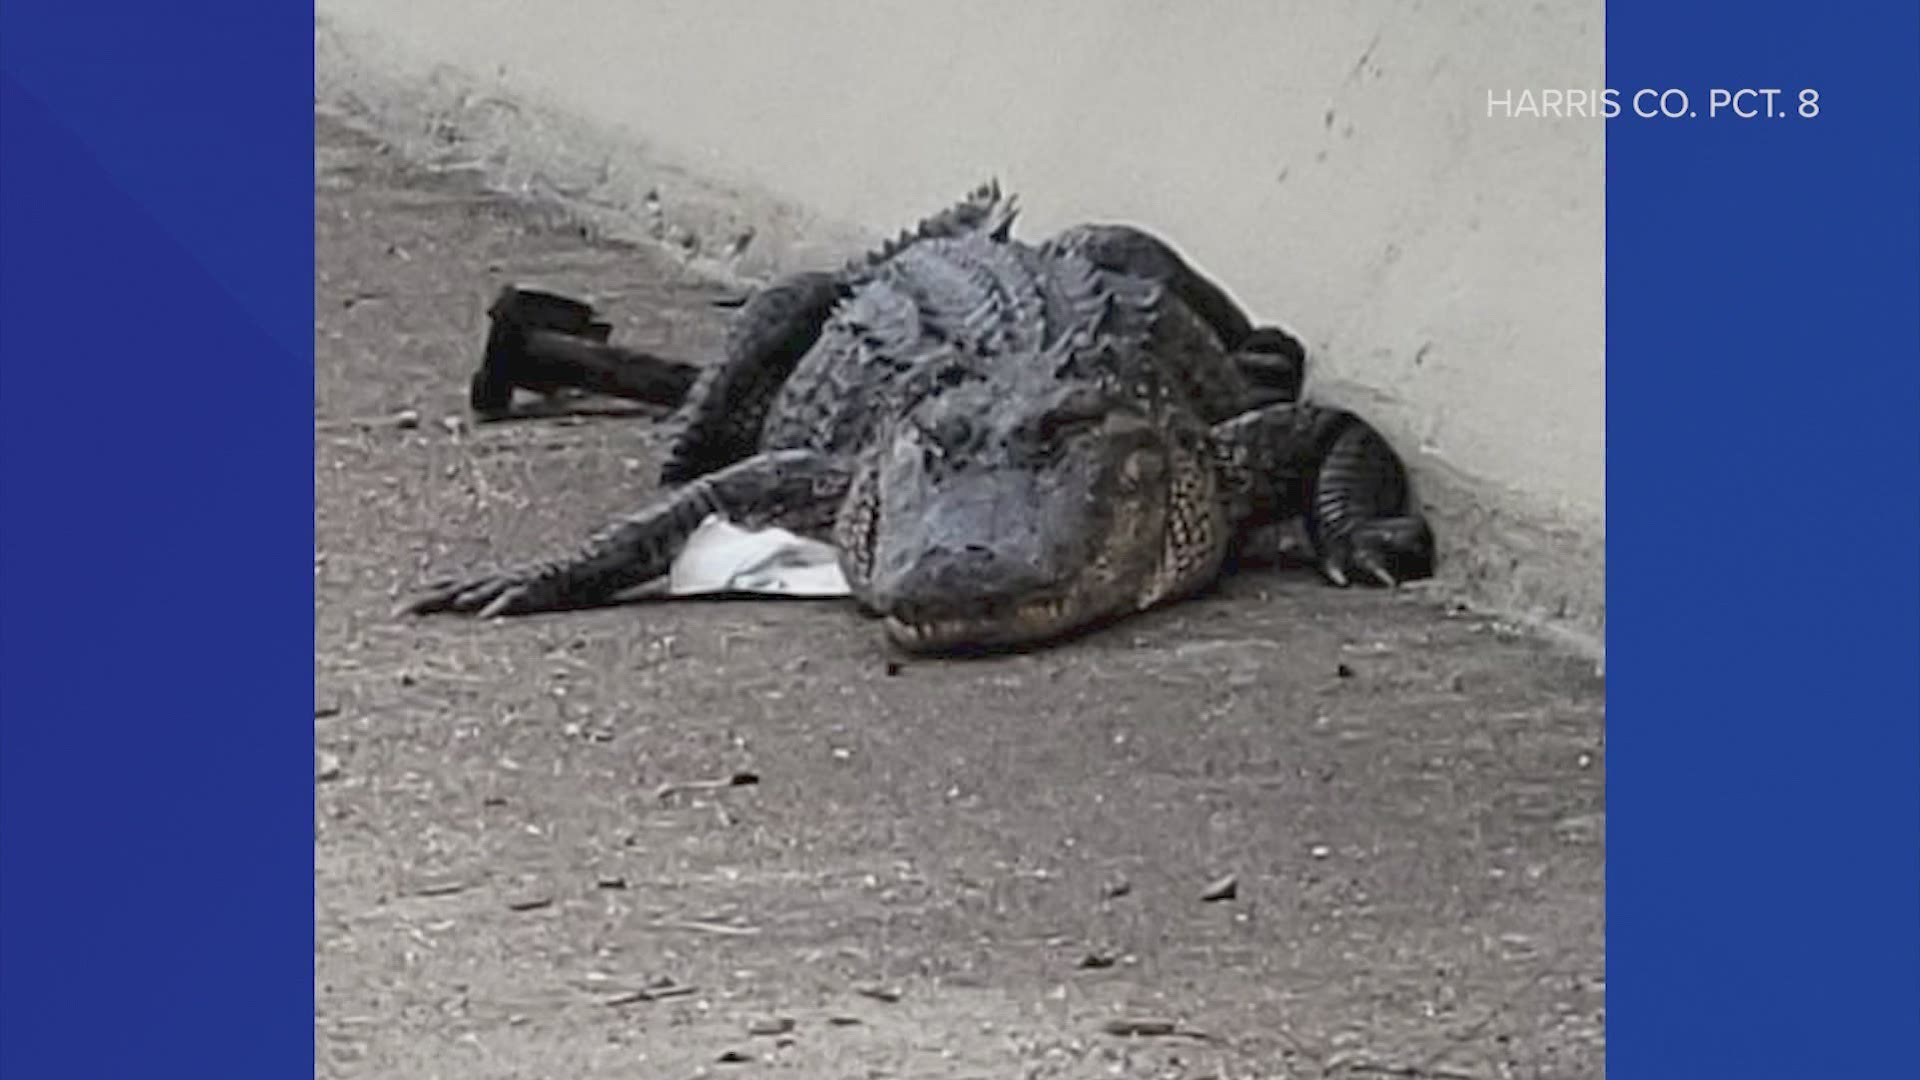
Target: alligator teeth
1030	621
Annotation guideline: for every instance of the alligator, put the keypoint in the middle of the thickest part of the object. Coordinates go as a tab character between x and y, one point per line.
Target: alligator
1008	443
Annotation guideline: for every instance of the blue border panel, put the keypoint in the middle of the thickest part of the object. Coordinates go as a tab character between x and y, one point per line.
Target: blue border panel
1763	348
156	642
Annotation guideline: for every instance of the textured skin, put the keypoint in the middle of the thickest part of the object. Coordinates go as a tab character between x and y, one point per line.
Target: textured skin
721	419
1006	442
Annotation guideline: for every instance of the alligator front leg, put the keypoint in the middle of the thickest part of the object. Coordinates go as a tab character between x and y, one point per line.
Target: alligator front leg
797	490
1283	461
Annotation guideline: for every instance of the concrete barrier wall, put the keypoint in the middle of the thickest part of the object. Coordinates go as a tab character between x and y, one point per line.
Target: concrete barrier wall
1333	165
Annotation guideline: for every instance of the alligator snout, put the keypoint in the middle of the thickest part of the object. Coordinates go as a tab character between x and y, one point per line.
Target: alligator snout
959	581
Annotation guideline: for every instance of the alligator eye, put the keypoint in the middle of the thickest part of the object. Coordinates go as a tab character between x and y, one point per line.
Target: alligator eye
1055	428
1069	417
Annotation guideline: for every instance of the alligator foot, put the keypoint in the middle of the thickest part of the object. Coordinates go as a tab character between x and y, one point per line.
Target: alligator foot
1283	460
1386	551
794	489
1361	514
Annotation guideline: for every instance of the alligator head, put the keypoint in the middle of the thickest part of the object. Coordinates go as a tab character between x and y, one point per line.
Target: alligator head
1006	512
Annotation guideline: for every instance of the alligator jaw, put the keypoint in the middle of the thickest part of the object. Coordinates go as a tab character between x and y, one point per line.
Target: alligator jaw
1027	624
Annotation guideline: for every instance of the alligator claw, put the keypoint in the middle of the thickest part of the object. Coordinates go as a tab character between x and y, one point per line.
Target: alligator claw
1366	560
1383	551
436	599
507	603
462	596
478	596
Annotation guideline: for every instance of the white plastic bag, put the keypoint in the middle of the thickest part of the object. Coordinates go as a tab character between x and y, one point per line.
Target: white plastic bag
721	557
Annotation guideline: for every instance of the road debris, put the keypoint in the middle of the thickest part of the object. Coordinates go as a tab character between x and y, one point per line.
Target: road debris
671	788
1151	1027
770	1025
1225	888
660	988
703	926
721	557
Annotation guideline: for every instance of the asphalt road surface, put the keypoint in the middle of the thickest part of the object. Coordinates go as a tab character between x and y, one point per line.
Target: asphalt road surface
945	869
